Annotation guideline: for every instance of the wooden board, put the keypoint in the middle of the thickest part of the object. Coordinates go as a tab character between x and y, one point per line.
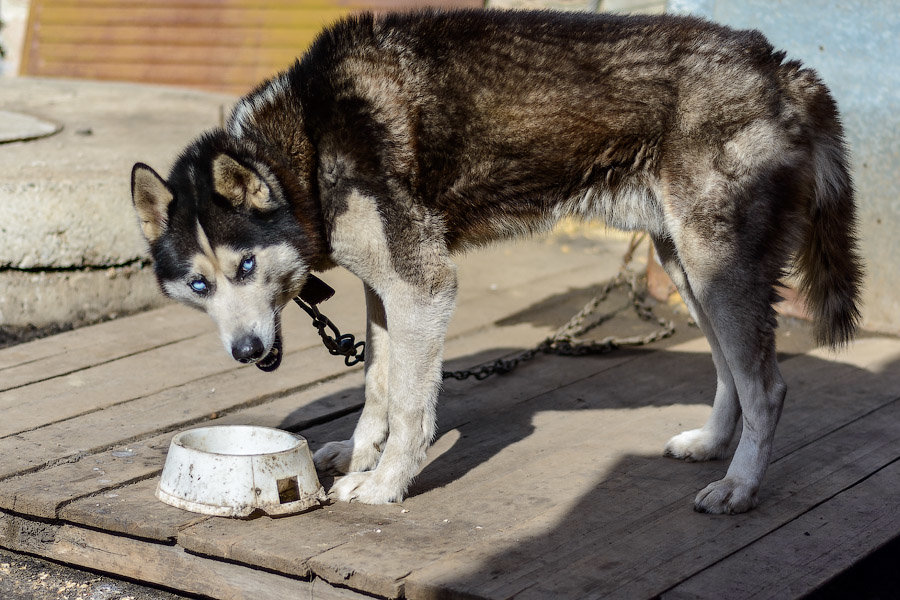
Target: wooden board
643	495
156	563
221	45
810	550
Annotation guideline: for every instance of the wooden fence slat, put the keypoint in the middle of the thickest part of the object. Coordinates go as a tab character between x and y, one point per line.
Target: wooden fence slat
243	40
220	56
148	15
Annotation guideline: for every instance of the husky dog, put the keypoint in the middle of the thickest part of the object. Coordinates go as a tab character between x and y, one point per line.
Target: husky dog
399	139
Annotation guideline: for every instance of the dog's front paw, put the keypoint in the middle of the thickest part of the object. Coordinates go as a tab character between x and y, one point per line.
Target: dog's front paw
695	445
334	458
726	496
366	488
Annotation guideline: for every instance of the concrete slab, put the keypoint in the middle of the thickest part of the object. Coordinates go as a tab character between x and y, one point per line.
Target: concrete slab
19	127
70	248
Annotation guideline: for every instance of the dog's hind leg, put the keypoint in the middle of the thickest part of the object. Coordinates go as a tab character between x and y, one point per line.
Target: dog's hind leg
736	295
362	450
712	440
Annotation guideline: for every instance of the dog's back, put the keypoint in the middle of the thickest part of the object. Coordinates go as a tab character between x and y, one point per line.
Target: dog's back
503	122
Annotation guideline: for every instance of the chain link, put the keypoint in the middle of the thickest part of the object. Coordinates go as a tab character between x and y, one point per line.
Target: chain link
564	342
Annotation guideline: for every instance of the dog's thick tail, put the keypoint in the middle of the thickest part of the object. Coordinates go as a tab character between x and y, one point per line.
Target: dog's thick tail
828	259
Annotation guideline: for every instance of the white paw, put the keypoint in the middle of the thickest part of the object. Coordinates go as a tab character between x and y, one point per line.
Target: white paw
334	457
366	488
695	445
726	496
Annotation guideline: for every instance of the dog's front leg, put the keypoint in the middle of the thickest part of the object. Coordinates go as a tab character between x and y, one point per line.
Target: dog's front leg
417	318
362	450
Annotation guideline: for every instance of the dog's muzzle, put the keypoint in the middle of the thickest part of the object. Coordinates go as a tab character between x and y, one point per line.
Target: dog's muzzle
250	349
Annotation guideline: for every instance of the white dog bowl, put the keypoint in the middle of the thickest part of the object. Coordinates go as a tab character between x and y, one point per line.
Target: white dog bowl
230	471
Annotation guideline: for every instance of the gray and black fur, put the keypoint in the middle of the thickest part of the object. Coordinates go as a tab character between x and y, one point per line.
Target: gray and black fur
399	139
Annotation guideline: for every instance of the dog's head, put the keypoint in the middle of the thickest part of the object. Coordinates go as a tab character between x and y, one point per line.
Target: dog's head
225	238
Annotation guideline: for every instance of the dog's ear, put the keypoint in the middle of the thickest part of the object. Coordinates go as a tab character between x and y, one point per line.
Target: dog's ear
151	197
240	185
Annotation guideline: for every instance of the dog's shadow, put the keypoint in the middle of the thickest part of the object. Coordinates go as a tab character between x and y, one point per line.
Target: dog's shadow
633	533
623	532
493	414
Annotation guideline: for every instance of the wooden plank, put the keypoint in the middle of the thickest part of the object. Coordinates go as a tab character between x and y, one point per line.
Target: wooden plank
133	510
807	552
151	73
192	4
242	39
160	564
31	406
186	17
75	350
42	492
171	408
250	4
114	24
209	56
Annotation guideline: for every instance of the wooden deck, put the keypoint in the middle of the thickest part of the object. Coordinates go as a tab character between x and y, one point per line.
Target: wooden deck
548	482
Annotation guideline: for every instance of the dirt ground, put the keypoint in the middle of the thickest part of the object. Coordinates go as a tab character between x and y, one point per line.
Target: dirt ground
28	578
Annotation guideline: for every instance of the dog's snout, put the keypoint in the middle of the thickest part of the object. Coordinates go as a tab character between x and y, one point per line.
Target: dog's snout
248	348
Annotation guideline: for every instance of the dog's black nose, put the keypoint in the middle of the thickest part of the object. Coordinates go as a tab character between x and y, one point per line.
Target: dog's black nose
247	349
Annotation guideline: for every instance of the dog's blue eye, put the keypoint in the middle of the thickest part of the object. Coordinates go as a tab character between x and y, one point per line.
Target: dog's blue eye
199	286
247	266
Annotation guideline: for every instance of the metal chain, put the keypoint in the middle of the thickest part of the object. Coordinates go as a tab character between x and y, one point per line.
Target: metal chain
561	343
339	344
564	342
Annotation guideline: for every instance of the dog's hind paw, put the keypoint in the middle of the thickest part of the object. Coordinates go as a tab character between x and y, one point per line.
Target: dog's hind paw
334	458
726	496
364	487
695	445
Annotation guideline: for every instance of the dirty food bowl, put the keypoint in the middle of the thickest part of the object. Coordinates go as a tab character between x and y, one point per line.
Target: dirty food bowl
232	470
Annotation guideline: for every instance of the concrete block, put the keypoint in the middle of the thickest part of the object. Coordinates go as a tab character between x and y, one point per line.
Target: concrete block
70	246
